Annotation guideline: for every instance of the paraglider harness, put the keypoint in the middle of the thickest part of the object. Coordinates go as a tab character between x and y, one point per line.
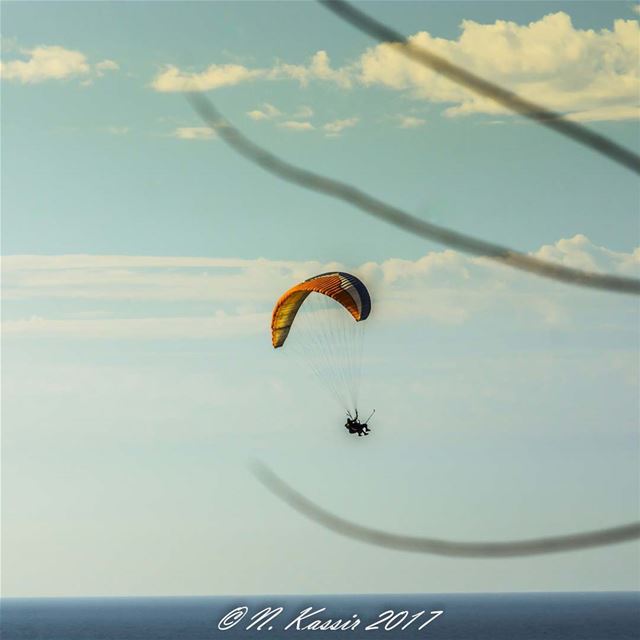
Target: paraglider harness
353	425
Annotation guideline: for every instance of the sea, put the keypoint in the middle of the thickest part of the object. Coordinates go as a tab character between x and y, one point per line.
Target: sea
496	616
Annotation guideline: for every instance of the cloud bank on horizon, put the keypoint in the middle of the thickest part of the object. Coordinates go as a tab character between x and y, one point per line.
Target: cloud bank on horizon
445	287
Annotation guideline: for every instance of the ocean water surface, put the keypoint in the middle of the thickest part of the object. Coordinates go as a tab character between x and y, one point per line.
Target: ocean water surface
515	616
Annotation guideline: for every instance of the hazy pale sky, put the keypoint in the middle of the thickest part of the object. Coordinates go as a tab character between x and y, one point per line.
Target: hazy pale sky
141	259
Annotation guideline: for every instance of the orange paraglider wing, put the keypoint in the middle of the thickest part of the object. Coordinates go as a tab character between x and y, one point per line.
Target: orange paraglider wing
344	288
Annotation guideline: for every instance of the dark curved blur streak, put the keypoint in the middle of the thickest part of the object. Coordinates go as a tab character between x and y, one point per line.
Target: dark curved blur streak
363	201
511	101
417	544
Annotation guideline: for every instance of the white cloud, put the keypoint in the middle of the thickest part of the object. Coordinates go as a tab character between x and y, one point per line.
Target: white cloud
53	63
194	133
46	63
297	121
451	288
303	112
267	112
586	72
295	125
172	79
621	112
410	122
579	252
118	131
220	325
228	297
589	75
87	261
106	65
150	278
319	68
337	126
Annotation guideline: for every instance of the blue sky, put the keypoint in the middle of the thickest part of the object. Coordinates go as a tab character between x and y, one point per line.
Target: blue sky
141	259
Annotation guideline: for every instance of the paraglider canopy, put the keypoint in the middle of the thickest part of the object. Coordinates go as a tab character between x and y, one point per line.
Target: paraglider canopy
342	287
324	315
